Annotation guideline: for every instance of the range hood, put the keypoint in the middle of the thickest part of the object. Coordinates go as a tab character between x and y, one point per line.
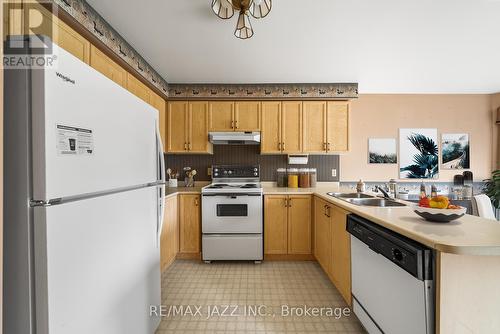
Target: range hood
234	138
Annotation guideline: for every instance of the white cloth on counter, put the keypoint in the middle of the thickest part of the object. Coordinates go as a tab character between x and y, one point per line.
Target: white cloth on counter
484	207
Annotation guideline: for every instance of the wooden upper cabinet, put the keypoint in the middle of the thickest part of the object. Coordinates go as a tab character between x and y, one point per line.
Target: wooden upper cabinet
221	116
271	127
73	42
107	66
322	234
136	87
247	115
291	127
12	18
314	131
159	104
299	224
189	223
275	224
337	126
42	22
341	253
177	126
198	128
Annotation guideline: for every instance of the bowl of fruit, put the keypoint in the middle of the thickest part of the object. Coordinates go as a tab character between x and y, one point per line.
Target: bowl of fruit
439	209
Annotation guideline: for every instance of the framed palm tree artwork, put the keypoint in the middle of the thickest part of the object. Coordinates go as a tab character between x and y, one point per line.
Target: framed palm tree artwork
418	154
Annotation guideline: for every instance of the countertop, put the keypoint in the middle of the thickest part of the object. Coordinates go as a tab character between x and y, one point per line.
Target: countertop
469	235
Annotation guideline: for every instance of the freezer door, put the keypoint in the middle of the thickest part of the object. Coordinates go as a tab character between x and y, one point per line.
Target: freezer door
97	265
89	134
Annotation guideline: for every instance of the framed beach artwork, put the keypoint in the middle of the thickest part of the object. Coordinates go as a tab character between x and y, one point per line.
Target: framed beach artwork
382	151
418	154
455	151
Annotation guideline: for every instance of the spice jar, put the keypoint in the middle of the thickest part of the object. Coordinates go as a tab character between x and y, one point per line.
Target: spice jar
313	177
304	181
281	177
293	178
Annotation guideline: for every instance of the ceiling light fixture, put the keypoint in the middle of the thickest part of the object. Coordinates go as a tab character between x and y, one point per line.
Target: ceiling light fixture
257	8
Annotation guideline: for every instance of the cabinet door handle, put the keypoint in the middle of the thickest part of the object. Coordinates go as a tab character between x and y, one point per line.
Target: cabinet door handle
189	146
328	147
324	210
232	124
279	146
236	124
328	211
185	146
196	202
289	202
286	202
324	146
283	145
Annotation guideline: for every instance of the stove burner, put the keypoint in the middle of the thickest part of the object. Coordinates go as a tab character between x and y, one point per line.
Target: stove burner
225	185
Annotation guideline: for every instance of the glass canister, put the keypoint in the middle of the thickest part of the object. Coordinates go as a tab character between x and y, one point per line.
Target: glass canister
304	181
281	177
313	177
293	178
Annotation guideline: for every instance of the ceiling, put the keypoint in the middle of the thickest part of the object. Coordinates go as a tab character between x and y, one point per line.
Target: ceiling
387	46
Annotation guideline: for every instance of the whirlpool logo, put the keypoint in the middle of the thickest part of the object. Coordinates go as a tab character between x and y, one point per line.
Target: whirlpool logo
65	78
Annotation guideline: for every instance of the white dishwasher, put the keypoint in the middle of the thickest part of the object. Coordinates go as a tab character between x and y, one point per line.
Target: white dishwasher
392	280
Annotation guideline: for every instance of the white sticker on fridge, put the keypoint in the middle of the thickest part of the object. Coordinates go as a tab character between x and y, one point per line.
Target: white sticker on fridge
74	140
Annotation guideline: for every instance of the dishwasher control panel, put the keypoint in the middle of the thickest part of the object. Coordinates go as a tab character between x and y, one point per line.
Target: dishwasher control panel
405	253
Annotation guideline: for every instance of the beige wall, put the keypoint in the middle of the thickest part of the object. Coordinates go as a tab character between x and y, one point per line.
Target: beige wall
381	116
495	104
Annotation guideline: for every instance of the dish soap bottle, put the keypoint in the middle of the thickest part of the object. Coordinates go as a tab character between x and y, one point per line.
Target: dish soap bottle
423	194
360	186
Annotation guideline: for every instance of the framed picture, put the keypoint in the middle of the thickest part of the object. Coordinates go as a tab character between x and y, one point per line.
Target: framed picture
382	151
455	151
418	154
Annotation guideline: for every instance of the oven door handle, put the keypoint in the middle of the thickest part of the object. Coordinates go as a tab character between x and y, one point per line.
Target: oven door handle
231	195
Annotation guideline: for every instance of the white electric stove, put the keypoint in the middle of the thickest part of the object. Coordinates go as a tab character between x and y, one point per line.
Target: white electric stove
232	214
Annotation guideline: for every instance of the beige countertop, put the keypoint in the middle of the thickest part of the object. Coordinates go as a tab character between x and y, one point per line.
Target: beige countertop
469	235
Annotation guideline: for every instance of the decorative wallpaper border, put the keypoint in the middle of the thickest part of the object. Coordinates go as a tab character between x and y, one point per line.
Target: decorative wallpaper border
263	91
82	12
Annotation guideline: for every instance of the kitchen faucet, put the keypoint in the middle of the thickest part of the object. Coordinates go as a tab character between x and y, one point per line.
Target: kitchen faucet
386	195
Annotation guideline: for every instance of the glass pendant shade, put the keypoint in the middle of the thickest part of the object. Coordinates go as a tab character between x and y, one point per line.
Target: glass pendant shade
223	8
260	8
243	26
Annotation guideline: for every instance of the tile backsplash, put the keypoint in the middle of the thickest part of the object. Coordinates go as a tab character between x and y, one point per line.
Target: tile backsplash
249	155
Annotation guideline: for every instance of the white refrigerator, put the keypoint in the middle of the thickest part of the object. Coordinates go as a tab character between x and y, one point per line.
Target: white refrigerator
84	190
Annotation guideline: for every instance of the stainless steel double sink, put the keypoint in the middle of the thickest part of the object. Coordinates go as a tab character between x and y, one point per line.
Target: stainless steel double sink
365	200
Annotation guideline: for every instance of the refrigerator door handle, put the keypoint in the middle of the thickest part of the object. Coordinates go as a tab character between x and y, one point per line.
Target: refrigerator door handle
161	188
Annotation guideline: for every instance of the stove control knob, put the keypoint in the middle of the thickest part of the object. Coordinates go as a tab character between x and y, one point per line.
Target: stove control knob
216	170
216	174
225	172
230	172
255	169
255	174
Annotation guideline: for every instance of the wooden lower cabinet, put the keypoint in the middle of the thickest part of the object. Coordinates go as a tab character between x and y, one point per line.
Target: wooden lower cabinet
169	241
275	224
299	224
322	234
333	245
287	224
189	224
340	270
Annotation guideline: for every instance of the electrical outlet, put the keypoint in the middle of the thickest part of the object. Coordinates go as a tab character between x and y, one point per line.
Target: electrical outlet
334	172
209	171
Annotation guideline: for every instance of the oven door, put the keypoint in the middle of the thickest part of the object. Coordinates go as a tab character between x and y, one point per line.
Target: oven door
231	213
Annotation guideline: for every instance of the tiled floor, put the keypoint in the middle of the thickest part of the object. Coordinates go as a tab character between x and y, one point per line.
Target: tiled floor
211	288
